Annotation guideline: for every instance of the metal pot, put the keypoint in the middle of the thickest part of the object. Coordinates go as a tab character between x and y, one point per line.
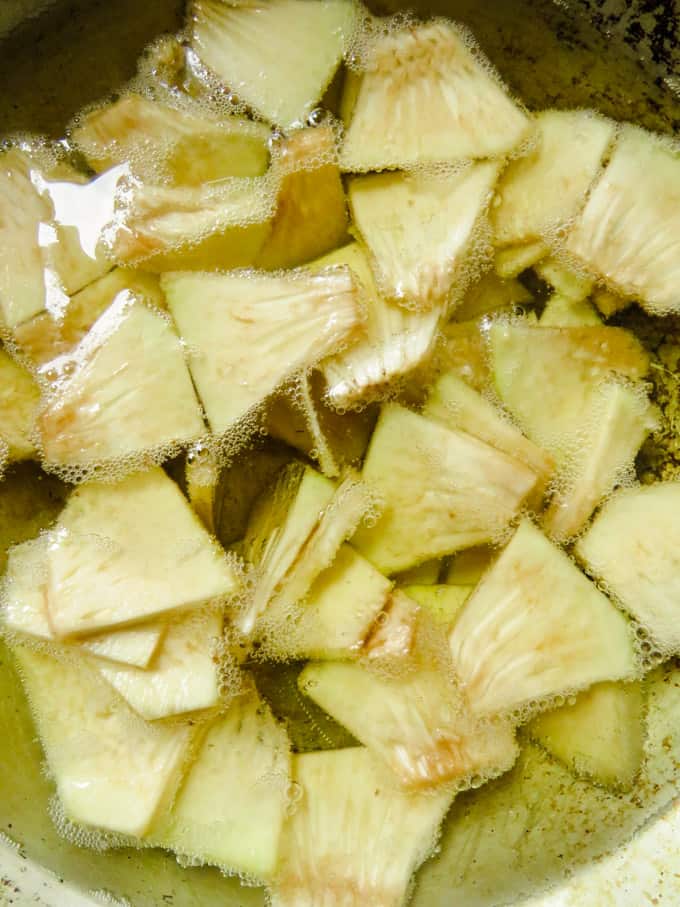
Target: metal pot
57	55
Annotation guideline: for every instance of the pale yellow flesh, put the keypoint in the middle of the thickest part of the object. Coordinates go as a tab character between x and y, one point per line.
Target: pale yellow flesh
19	397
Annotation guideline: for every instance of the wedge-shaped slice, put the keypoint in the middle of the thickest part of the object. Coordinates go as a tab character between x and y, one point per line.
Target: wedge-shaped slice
232	805
441	602
564	312
278	57
126	552
249	332
608	303
535	627
201	476
600	736
617	421
395	341
294	533
468	567
180	144
24	611
19	398
51	334
634	547
456	405
335	616
548	391
214	225
184	676
564	279
511	261
426	95
124	392
420	227
345	843
417	724
311	212
491	294
22	278
628	233
394	632
543	191
112	770
443	490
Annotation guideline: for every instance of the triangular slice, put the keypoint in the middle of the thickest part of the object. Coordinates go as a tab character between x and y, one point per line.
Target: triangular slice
455	404
543	191
564	279
123	553
334	618
443	490
547	391
420	227
19	398
184	676
395	342
251	331
50	334
124	392
615	424
564	312
214	225
112	770
534	628
180	144
24	611
600	736
629	232
417	724
311	211
278	57
633	547
233	803
511	261
345	844
426	95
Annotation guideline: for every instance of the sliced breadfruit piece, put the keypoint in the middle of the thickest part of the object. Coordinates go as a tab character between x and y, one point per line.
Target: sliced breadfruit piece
250	331
395	341
123	392
424	94
442	490
311	211
295	532
542	192
182	144
425	574
201	476
633	547
123	553
563	279
463	350
22	209
335	616
214	225
467	567
547	392
233	802
441	602
599	736
566	312
617	420
534	628
491	294
345	842
628	234
417	724
19	399
49	334
24	611
278	57
185	674
608	303
421	229
511	261
394	632
112	770
456	405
